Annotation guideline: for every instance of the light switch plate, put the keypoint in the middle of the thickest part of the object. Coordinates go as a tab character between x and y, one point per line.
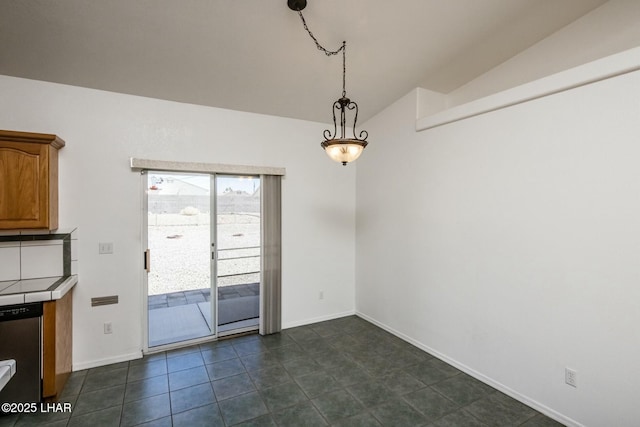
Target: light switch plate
105	248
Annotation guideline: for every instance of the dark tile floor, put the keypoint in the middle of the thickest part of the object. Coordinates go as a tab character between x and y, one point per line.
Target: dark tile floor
344	372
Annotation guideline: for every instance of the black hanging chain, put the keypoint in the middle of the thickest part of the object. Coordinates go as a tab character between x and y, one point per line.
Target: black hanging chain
342	49
318	45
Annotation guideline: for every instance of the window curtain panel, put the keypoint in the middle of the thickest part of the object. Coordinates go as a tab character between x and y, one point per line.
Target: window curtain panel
271	259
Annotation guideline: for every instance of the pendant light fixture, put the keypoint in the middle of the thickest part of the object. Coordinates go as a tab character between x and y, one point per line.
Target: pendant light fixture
337	146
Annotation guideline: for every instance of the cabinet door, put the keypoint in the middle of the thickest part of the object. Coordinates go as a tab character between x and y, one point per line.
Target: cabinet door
24	185
57	345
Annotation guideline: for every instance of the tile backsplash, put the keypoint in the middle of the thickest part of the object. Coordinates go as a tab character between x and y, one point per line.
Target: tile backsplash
30	255
9	261
41	260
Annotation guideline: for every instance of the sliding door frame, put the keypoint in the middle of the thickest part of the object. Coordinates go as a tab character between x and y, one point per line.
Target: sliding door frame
144	233
145	165
244	329
148	258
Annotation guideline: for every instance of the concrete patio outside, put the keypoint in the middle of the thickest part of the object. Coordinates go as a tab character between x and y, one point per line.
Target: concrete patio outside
179	316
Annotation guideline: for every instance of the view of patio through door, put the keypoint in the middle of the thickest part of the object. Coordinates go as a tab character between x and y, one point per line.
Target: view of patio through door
201	280
238	259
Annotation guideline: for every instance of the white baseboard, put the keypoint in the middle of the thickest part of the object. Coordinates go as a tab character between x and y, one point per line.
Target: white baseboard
477	375
137	355
107	361
296	323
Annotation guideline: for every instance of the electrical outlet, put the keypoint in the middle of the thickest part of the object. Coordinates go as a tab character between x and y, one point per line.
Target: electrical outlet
105	248
571	377
321	295
108	328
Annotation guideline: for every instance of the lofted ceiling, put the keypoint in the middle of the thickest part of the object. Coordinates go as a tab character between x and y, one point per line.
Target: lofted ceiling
255	56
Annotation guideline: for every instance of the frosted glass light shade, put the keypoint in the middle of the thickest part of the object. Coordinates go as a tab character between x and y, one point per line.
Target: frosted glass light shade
344	150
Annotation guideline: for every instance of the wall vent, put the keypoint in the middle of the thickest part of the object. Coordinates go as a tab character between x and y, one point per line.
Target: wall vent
113	299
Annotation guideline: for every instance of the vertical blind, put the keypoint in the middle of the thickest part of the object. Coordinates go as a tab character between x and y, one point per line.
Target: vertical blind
271	259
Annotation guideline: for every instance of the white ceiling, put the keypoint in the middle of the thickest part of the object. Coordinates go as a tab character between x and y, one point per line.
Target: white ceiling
254	55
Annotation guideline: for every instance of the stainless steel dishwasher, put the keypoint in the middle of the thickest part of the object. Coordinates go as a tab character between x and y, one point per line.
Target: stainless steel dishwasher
20	339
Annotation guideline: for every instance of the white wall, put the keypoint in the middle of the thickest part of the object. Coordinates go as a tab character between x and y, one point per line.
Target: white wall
609	29
508	244
102	197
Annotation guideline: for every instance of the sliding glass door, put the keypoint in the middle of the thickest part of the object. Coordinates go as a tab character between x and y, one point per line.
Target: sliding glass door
238	252
201	280
180	289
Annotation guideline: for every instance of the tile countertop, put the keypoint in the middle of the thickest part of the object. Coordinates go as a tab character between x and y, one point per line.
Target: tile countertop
7	370
36	290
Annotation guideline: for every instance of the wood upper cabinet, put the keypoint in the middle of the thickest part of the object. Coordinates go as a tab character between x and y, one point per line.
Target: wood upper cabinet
29	180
